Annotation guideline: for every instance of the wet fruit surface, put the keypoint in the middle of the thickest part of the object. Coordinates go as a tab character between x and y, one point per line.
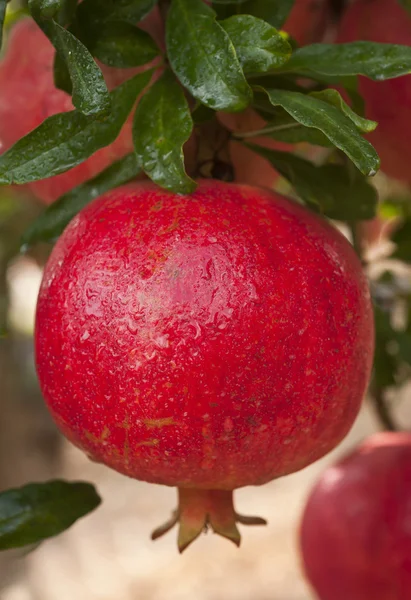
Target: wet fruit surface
356	535
209	341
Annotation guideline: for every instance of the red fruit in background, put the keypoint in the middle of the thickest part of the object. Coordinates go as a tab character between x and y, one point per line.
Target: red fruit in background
356	529
388	102
207	342
307	21
28	96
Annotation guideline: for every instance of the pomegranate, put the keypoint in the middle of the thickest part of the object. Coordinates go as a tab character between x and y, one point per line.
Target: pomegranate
387	102
208	342
28	96
356	534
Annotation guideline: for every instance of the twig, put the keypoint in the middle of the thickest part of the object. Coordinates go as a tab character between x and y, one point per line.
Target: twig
382	410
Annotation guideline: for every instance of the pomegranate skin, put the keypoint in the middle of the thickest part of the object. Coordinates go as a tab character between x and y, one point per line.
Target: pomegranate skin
213	341
387	102
355	534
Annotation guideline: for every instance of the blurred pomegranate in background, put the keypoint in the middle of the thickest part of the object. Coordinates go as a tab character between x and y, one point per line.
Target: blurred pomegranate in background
356	528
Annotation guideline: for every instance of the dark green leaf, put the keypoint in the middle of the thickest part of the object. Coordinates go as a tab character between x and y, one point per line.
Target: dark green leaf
35	512
3	6
285	128
329	189
89	90
50	8
162	124
90	94
119	44
98	11
203	57
275	12
62	79
339	129
202	114
376	61
67	12
334	98
49	225
65	140
259	46
406	4
402	238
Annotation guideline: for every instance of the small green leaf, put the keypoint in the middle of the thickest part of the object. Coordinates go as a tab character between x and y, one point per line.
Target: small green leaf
3	6
32	513
376	61
339	129
162	124
90	94
51	223
65	140
95	12
274	12
334	98
119	44
259	46
330	189
203	57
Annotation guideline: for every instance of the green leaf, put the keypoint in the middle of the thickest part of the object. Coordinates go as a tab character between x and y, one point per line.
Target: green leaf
51	223
259	46
275	12
376	61
330	189
90	94
65	140
338	128
32	513
98	11
203	57
285	128
3	6
50	8
61	74
119	44
406	4
334	98
162	124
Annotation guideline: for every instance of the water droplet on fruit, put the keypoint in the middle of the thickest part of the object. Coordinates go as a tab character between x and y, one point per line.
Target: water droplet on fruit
85	335
162	341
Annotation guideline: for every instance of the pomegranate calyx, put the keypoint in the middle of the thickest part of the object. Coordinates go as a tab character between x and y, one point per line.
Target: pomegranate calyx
200	510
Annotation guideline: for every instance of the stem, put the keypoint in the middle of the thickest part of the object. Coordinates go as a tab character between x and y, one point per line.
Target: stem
199	510
382	410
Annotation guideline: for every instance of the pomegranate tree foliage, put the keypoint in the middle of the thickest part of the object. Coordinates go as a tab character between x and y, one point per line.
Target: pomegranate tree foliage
224	57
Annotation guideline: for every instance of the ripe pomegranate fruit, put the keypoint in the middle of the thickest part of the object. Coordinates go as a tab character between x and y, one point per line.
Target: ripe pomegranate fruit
28	96
208	342
356	534
388	102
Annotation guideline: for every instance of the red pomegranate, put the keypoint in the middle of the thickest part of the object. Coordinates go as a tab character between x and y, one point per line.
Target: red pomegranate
387	102
356	529
208	342
28	97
